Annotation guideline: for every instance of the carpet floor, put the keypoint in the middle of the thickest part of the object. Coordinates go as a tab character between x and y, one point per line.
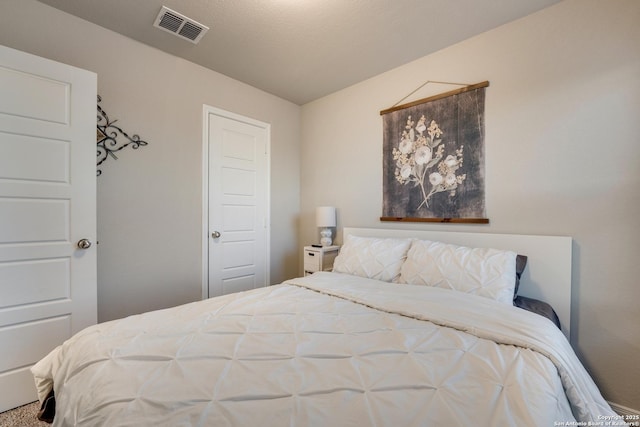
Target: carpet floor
22	416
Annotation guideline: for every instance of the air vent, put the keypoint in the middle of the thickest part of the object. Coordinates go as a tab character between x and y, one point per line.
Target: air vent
178	24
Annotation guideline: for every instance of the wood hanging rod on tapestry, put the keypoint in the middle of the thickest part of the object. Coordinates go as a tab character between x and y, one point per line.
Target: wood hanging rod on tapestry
447	220
434	97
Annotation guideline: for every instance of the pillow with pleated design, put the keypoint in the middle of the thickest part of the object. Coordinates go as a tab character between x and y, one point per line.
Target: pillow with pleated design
484	272
372	257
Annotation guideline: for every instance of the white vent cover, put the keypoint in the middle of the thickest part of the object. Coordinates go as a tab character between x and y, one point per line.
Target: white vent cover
178	24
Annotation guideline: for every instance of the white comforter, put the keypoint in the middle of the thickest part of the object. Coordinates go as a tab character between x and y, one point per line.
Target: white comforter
324	350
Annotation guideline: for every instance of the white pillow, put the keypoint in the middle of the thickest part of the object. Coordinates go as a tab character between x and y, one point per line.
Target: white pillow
375	258
484	272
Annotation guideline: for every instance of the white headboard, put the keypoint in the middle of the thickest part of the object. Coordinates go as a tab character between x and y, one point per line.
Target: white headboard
547	276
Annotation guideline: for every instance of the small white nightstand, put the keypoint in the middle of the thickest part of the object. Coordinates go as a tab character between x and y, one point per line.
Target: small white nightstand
319	259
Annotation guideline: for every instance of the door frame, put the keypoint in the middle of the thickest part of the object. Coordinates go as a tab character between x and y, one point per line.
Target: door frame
206	110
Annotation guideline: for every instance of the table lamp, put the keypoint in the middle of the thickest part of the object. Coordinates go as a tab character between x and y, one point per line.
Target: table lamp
325	219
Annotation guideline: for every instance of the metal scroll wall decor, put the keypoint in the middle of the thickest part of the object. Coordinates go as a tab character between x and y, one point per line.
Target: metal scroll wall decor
110	138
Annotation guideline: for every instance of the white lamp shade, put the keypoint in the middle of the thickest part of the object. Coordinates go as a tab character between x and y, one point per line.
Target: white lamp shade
326	216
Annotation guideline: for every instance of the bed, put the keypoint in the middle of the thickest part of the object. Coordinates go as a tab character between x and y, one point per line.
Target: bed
411	328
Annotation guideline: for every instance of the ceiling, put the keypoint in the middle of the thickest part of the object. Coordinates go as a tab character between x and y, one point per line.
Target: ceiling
301	50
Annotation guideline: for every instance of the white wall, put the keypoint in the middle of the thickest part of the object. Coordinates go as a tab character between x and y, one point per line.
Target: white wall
562	158
149	200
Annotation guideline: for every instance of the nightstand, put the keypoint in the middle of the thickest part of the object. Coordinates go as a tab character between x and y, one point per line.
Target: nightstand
319	259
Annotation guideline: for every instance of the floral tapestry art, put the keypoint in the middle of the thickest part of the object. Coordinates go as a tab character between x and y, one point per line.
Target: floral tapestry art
433	154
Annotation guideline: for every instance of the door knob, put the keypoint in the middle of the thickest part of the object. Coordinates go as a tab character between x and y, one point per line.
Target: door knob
215	234
84	243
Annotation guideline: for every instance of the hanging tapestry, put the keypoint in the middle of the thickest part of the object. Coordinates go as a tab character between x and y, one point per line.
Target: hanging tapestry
433	158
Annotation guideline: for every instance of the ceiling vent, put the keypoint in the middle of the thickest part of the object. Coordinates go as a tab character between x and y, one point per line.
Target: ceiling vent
180	25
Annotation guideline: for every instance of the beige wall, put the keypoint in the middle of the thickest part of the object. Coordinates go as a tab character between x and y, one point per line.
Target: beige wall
150	199
562	158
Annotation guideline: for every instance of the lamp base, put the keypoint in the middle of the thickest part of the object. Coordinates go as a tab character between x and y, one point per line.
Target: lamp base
325	234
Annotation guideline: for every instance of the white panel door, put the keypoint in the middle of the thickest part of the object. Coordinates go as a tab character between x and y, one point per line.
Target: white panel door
47	204
238	197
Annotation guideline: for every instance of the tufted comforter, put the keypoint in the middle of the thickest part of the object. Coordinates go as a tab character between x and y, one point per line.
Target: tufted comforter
324	350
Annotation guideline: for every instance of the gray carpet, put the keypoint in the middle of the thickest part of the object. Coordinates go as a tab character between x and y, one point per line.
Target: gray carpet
23	416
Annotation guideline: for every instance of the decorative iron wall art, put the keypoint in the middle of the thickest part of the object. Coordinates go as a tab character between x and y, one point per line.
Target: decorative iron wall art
433	158
110	138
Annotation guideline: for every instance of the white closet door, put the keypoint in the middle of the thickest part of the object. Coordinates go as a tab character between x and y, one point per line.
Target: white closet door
238	202
47	205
